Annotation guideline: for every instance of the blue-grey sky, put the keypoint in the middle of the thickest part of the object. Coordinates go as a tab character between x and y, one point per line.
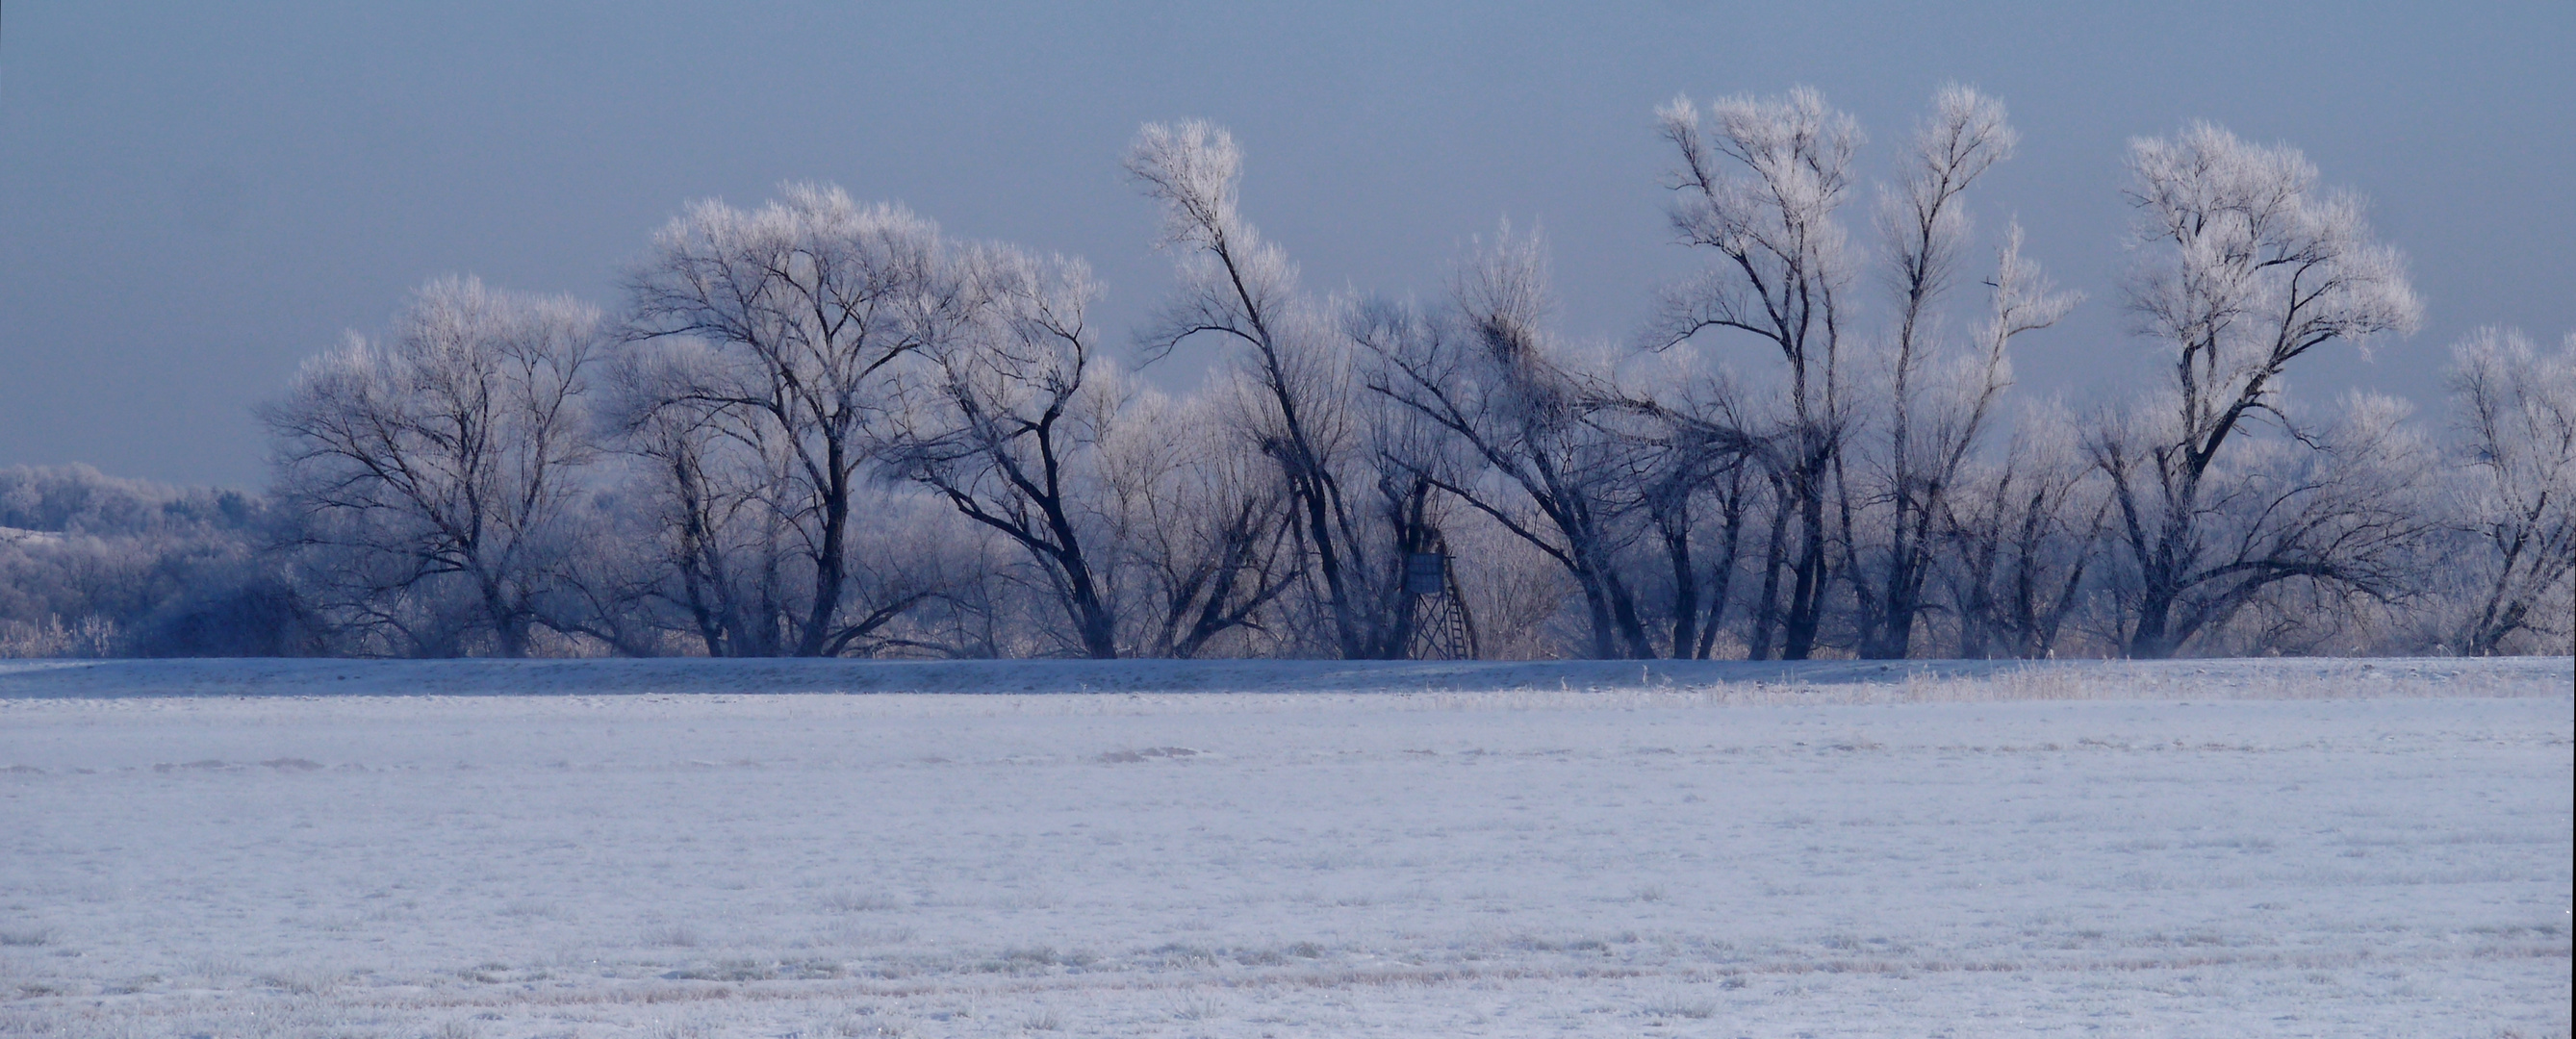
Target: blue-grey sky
194	197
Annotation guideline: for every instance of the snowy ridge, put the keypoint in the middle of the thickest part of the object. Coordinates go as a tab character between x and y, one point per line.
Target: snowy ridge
22	536
1996	679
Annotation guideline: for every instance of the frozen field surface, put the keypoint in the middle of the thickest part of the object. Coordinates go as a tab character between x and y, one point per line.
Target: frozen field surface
2310	848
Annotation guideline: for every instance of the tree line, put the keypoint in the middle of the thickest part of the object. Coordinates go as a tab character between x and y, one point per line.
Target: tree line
823	428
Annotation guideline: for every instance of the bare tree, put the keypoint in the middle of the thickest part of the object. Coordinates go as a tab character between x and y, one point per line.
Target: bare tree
1698	447
803	306
703	548
1695	461
2515	417
1206	525
1004	418
2334	509
1238	287
447	452
2247	268
1936	417
722	553
2021	536
1760	187
1485	375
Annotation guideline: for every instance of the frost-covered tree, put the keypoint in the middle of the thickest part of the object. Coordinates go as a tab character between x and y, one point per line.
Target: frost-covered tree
437	465
829	431
1703	470
95	565
2020	535
1485	375
1760	184
1940	397
2335	510
1203	523
1302	411
707	549
1004	420
719	550
2514	424
800	308
2246	265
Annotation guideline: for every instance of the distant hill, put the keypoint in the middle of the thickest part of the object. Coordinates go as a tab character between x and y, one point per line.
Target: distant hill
78	499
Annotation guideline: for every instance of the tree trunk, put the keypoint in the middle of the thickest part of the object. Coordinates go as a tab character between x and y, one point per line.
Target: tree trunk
1807	594
828	564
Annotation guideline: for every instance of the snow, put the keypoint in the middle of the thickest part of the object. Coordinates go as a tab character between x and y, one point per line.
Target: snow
1731	680
2194	848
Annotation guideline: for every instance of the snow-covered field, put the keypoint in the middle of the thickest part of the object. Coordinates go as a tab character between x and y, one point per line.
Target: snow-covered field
2331	848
